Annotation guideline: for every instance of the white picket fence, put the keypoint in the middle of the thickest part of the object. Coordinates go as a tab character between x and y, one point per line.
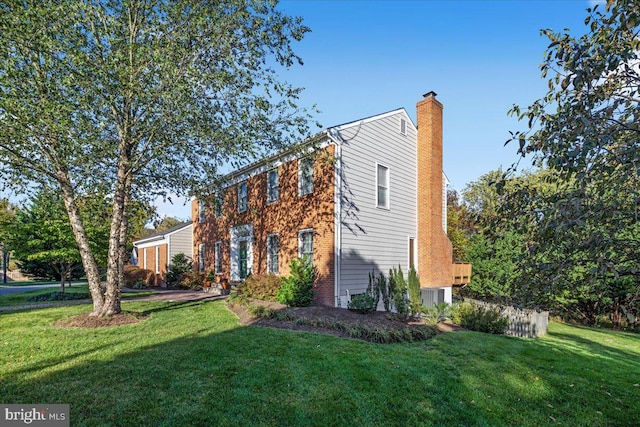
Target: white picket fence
523	322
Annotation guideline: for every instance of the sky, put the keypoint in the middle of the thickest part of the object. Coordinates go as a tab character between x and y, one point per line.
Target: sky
363	58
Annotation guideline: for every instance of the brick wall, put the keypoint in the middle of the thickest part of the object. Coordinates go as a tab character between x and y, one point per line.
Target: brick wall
434	247
289	214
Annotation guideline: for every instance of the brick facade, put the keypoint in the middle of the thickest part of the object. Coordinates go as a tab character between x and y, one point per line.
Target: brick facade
150	253
434	248
285	217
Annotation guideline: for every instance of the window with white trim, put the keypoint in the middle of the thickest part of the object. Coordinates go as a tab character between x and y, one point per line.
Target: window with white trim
305	176
273	247
218	258
403	126
201	211
305	244
382	178
272	186
217	207
201	257
242	196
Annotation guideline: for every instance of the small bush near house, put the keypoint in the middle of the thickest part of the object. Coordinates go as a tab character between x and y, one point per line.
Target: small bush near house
261	286
180	265
133	275
398	287
297	289
478	318
193	281
362	303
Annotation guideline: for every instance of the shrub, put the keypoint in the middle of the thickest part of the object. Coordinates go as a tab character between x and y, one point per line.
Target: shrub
59	296
413	286
297	289
398	287
133	275
192	281
180	265
362	303
478	318
261	286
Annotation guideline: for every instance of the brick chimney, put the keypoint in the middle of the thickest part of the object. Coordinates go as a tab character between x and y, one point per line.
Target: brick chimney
435	255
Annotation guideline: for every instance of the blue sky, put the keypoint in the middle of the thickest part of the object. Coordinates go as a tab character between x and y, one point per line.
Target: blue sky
367	57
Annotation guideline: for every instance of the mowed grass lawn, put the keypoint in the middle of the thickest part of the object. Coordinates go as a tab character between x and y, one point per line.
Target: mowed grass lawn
192	364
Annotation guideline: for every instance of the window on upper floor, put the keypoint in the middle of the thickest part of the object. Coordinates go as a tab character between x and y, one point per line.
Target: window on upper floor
217	207
242	196
305	176
403	126
305	244
272	186
382	178
201	211
273	248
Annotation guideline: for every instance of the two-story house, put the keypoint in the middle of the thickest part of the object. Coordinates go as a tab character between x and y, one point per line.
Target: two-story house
365	196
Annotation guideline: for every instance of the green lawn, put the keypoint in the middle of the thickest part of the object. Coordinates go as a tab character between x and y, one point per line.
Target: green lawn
20	298
192	364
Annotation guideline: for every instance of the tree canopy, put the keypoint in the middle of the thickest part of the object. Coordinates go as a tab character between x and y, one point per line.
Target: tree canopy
134	98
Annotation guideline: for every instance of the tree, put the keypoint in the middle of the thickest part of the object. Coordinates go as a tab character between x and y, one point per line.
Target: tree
459	225
586	129
42	237
134	98
7	218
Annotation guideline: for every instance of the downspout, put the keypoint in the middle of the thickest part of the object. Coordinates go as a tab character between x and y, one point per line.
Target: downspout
337	245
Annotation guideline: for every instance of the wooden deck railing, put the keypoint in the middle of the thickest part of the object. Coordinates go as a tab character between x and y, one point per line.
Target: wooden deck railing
461	273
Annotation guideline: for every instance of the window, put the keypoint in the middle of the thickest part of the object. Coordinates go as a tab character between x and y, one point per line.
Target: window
218	258
412	263
273	247
305	244
242	197
217	207
305	176
201	257
201	211
272	186
383	187
403	126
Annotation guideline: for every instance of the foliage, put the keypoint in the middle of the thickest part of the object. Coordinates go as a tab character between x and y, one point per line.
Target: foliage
413	288
297	289
134	276
437	313
479	318
362	303
261	286
59	296
375	287
398	287
193	281
585	129
459	225
180	265
111	97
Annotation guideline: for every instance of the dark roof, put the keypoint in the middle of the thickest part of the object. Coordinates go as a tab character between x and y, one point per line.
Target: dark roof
160	235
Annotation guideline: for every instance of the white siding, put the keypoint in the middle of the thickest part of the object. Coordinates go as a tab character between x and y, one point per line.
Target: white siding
372	238
181	241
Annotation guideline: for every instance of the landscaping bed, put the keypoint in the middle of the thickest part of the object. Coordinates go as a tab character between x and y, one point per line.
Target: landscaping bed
381	327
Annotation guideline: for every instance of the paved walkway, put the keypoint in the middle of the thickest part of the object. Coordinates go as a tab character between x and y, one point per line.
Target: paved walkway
162	295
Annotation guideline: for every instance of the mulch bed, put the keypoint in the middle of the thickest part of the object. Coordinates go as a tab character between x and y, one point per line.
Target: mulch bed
88	321
378	319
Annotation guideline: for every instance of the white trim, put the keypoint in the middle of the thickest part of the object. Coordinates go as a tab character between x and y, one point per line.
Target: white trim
372	118
202	213
158	240
144	258
388	207
157	259
302	161
201	254
415	253
403	121
337	234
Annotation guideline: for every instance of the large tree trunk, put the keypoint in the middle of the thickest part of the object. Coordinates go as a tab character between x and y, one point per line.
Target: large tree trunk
124	228
88	260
